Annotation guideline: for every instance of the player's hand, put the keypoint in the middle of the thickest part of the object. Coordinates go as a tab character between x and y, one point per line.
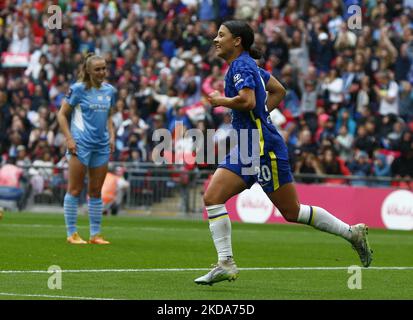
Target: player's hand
71	146
213	98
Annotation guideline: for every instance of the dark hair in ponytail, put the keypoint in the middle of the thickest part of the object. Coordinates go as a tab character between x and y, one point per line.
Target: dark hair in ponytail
255	53
242	29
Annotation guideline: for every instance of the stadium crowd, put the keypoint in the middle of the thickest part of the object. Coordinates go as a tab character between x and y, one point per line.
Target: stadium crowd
349	103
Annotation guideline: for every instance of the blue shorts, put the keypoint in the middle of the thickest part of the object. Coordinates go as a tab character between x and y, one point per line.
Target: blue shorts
91	158
271	173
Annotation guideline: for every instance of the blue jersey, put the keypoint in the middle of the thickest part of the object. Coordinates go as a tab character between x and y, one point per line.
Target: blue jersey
244	73
91	109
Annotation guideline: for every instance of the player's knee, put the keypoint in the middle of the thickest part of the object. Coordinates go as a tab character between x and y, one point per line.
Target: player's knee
210	199
75	192
94	193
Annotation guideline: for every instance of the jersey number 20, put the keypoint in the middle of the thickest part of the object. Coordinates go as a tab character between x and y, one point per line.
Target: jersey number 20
263	173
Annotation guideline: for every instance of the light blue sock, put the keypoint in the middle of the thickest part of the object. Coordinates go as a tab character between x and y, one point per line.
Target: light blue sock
95	215
70	205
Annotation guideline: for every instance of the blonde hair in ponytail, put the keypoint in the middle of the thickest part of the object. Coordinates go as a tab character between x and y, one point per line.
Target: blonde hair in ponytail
84	75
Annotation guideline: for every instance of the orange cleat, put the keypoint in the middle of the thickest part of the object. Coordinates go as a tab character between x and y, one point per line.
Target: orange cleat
98	239
75	239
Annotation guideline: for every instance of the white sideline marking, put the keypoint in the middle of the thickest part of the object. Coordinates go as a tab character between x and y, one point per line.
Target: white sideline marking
62	227
201	269
156	229
24	225
50	296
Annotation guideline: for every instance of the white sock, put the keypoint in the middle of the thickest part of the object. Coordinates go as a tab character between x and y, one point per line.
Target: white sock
220	227
322	220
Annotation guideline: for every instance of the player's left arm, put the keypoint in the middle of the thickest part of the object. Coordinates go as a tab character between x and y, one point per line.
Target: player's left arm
276	92
111	130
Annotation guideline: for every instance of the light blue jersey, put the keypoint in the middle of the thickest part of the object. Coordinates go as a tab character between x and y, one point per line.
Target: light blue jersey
91	109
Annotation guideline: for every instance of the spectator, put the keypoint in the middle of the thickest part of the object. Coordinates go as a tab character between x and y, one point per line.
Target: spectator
308	163
364	141
190	85
274	22
387	91
292	97
36	67
106	11
12	187
402	167
333	84
392	140
277	47
328	130
403	64
361	167
10	175
4	40
334	23
323	52
41	133
333	165
381	169
309	103
109	40
22	159
345	39
113	190
350	85
406	101
363	96
20	42
41	174
298	51
206	10
344	143
344	119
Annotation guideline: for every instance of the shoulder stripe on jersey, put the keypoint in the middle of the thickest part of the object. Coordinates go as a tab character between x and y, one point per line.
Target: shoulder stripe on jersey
259	127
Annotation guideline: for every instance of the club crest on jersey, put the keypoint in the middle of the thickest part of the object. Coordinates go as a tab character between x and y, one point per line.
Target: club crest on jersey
100	98
107	98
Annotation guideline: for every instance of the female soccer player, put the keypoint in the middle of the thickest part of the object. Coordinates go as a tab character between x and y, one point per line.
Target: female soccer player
90	139
246	87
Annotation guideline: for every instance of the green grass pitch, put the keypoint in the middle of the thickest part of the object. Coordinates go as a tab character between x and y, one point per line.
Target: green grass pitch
157	259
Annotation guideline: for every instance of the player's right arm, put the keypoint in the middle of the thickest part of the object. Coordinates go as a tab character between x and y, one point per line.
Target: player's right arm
63	117
276	92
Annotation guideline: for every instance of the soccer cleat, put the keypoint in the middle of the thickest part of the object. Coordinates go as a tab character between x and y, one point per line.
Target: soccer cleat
361	244
75	239
223	270
98	239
